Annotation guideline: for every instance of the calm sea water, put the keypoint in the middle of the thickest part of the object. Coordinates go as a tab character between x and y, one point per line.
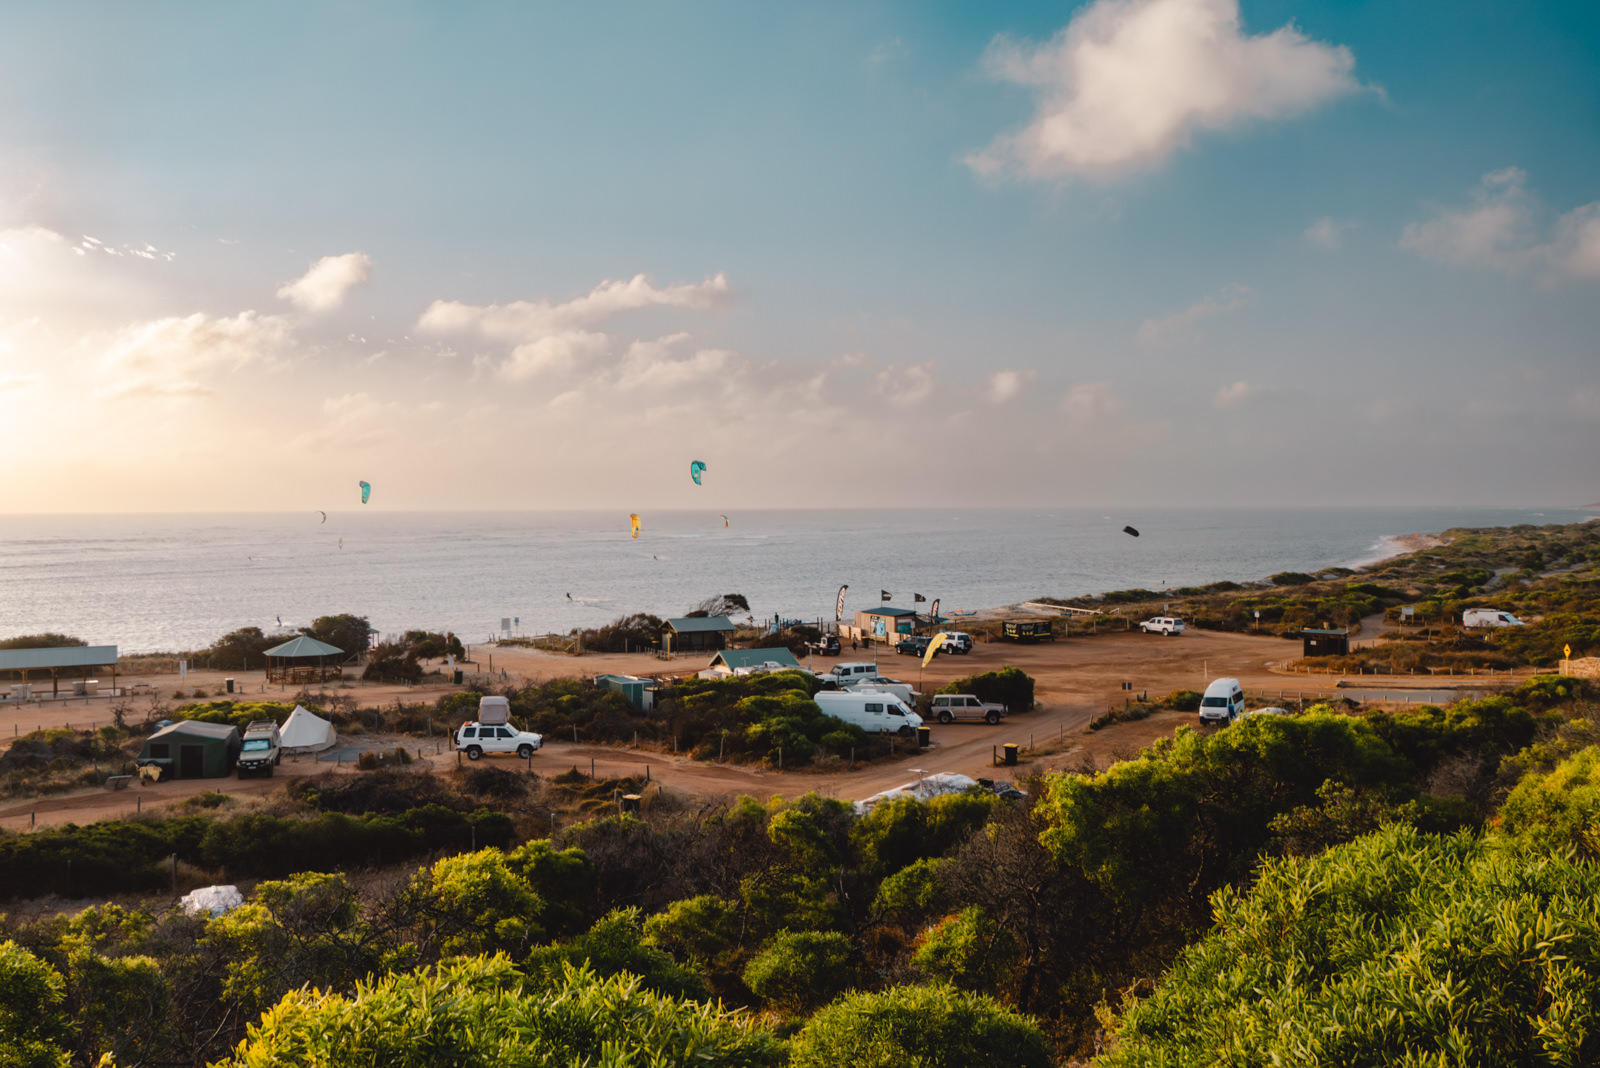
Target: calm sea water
172	582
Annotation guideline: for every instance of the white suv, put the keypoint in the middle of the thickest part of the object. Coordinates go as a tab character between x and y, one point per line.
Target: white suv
1168	625
480	738
956	641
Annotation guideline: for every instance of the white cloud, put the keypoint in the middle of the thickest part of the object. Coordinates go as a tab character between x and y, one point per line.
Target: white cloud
1576	249
1496	231
173	357
1129	81
14	382
558	337
1184	324
1091	402
524	319
1500	231
905	385
1235	395
1327	232
1005	386
325	286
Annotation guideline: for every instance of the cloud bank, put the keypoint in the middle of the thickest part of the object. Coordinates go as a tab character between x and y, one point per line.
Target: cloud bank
1128	82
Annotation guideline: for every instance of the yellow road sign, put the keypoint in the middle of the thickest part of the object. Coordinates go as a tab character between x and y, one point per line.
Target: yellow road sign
1566	651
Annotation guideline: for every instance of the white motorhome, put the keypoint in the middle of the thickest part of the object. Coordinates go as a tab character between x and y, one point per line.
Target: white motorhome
1489	617
873	712
1223	702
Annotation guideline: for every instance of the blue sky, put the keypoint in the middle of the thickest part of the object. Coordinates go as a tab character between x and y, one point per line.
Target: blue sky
509	255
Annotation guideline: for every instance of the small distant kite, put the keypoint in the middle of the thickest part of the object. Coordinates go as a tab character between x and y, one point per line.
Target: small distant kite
696	469
341	543
724	521
323	514
1130	530
366	492
635	521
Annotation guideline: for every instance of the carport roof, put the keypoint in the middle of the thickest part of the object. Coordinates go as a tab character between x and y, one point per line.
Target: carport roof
58	657
304	646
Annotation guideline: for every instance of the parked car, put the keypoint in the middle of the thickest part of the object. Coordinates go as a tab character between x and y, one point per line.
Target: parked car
916	645
827	645
262	749
949	707
1168	625
476	739
956	641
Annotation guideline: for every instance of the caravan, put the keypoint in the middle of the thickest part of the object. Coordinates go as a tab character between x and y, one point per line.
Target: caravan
875	713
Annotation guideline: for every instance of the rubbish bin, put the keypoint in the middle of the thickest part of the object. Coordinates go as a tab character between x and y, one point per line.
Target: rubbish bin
230	684
1010	754
924	737
630	803
458	676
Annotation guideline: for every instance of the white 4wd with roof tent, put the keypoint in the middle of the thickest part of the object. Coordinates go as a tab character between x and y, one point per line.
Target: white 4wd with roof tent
477	739
1168	625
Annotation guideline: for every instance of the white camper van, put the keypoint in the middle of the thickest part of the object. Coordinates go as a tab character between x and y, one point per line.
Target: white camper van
1489	617
1222	703
875	713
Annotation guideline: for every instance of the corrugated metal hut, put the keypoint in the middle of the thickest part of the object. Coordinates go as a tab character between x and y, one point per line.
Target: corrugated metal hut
1319	642
189	749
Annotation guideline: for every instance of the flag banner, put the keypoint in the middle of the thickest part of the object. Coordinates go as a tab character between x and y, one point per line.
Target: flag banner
838	608
934	611
917	597
885	595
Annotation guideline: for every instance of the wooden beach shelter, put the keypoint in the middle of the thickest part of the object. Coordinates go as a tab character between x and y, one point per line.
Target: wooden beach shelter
304	660
18	663
696	633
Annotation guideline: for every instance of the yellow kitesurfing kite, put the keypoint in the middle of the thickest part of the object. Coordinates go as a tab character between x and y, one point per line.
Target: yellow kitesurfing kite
933	649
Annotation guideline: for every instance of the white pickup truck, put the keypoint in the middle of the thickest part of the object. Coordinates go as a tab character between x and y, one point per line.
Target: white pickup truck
1168	625
949	707
262	749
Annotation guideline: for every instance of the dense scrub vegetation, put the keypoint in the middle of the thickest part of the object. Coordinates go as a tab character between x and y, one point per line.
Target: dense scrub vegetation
1284	869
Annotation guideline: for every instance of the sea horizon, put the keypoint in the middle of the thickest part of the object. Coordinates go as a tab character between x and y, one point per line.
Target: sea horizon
177	581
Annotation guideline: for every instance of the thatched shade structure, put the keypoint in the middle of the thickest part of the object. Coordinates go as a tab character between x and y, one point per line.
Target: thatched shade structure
304	660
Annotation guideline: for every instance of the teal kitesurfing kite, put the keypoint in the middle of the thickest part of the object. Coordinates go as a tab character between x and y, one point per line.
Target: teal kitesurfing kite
696	469
366	491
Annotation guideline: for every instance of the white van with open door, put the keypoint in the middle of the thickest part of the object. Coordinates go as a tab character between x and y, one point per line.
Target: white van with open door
1222	703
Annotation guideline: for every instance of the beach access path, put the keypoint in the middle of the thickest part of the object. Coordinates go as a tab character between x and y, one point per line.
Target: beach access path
1076	679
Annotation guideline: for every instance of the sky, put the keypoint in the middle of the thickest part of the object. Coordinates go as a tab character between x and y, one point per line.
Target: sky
856	254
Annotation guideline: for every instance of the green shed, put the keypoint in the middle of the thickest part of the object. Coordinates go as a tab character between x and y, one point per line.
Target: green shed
189	749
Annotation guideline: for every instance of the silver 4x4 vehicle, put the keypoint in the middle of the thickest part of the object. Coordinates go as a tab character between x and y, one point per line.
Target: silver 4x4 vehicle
949	707
1168	625
477	739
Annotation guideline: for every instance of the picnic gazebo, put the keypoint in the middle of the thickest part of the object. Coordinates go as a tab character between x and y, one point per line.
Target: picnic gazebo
304	660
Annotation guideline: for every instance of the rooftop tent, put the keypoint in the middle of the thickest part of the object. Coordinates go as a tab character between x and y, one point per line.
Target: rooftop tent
304	660
306	732
190	749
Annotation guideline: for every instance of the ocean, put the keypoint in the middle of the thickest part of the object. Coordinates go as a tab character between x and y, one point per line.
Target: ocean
150	583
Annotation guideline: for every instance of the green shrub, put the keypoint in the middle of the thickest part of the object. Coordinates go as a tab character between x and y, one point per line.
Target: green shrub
799	970
1399	948
919	1027
1009	686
